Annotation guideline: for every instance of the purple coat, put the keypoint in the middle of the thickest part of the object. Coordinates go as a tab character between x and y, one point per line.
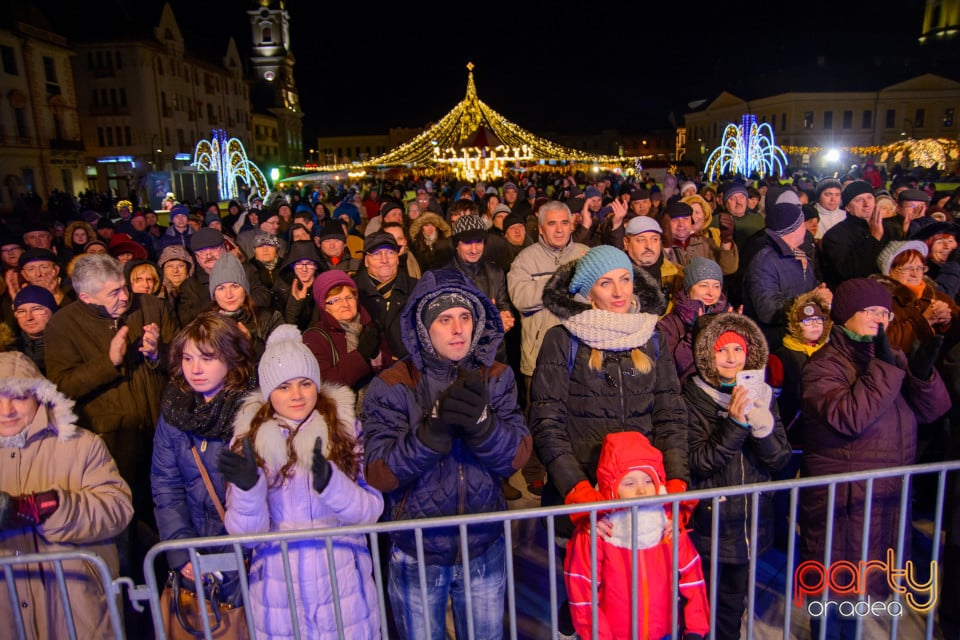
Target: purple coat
294	505
676	329
860	413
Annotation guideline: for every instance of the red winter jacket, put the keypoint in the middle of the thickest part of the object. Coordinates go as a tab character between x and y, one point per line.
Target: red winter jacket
623	452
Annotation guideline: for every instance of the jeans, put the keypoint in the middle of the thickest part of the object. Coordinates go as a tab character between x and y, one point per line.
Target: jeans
487	587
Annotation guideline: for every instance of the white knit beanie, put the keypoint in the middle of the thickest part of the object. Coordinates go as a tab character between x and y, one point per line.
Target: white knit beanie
286	358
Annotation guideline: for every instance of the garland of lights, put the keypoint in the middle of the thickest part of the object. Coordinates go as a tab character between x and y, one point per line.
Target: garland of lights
229	160
930	152
442	144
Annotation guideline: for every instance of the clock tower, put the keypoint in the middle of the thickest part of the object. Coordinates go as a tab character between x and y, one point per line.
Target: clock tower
274	88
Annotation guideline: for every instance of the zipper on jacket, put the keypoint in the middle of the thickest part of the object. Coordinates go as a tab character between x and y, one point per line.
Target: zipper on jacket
623	405
461	481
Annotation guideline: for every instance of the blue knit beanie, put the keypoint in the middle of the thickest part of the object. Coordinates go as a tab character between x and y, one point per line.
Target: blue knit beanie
700	268
596	262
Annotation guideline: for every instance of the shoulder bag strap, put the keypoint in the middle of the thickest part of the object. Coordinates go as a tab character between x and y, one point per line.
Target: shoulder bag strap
208	484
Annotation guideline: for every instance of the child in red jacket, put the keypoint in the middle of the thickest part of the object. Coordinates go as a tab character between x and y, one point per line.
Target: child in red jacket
630	467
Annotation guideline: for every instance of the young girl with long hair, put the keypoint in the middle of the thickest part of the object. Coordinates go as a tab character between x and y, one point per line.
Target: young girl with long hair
295	463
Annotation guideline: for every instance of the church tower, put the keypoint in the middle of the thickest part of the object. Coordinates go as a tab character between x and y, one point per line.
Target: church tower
941	21
274	88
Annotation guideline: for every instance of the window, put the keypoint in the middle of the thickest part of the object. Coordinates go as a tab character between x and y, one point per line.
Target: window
20	115
126	136
948	117
891	119
267	35
96	98
9	57
113	97
918	117
180	139
119	60
808	119
109	136
847	119
49	69
783	122
867	119
100	136
123	97
119	132
828	119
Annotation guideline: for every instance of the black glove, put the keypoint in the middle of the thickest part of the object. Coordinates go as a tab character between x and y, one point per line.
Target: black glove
881	346
239	470
369	342
434	433
922	359
27	510
321	467
465	406
726	228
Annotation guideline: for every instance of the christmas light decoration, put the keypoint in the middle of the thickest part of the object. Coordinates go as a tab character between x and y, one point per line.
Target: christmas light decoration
745	150
228	158
477	143
939	152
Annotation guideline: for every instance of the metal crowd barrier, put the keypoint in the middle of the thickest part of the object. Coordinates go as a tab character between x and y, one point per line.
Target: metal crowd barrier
43	567
782	626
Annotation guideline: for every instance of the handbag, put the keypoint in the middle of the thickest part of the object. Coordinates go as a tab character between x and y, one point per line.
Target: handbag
180	607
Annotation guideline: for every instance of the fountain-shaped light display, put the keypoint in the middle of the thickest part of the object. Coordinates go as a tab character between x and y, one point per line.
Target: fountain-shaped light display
228	158
746	150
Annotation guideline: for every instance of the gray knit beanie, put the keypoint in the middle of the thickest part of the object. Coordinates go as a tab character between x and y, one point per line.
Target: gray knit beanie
286	358
701	269
228	269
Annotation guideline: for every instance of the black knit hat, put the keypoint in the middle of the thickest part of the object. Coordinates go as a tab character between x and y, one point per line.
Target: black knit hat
854	189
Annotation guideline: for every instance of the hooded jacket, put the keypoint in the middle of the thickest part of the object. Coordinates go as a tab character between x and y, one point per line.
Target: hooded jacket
909	327
417	481
621	453
723	453
293	504
431	256
573	407
860	413
95	506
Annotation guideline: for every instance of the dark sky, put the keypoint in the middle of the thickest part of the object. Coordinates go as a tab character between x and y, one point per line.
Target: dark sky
546	66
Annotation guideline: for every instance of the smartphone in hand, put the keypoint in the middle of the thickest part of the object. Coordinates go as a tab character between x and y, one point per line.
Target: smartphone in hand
752	379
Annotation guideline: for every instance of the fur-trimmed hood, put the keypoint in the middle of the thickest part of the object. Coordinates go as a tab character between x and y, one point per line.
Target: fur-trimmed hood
416	227
706	337
20	376
271	442
561	303
903	294
794	316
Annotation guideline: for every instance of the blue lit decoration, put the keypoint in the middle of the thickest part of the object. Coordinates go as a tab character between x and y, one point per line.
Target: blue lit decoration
746	150
228	158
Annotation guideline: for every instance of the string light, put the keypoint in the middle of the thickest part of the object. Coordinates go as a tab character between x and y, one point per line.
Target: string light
477	143
930	152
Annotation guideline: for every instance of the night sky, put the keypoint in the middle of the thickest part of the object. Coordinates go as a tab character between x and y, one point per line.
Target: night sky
548	68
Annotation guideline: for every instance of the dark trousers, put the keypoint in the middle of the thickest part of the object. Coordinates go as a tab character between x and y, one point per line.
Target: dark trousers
534	469
731	596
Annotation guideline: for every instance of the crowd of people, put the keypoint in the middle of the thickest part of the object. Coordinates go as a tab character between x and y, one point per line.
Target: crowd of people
397	351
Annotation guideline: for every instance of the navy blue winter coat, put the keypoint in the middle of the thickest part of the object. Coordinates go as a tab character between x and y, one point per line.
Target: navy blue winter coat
418	482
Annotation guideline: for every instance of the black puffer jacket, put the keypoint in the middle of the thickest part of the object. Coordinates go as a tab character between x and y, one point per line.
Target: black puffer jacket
573	408
724	454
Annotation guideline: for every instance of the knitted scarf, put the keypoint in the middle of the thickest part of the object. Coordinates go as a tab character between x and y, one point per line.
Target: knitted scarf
609	331
186	411
352	329
759	416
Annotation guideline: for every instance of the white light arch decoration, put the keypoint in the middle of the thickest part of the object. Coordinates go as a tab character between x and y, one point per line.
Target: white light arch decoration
745	150
228	158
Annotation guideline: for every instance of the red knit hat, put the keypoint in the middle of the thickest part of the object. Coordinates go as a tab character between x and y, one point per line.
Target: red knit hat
729	337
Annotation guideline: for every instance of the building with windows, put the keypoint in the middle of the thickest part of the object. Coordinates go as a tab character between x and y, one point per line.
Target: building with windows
39	126
145	103
274	88
804	123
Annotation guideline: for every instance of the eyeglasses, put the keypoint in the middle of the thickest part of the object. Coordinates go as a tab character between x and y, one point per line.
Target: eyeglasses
23	311
920	268
878	313
347	298
815	320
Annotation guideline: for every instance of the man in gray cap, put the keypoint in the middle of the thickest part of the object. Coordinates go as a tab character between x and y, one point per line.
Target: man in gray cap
643	243
911	205
207	246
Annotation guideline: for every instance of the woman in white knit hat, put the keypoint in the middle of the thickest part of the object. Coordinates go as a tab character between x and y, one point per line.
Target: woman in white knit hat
295	463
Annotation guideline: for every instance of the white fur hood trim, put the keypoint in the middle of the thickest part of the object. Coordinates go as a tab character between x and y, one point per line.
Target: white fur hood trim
271	440
59	408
